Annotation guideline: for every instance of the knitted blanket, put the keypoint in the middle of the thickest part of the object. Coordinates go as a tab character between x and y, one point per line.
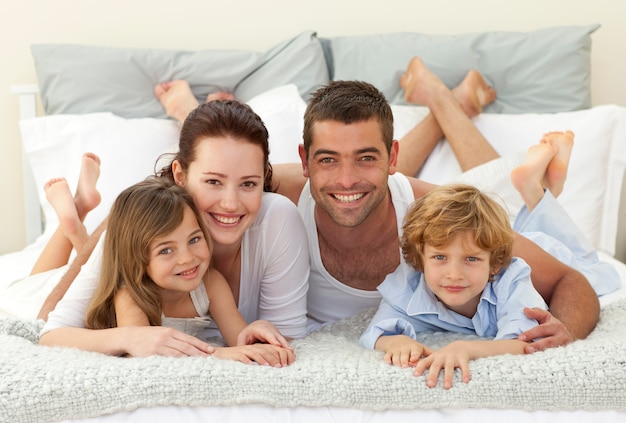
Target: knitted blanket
49	384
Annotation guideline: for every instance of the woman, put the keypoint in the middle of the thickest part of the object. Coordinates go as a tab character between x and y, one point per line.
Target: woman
260	242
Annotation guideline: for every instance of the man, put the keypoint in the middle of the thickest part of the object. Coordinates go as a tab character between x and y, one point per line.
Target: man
354	202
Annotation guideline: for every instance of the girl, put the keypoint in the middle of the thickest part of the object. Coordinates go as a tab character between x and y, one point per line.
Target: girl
155	271
260	243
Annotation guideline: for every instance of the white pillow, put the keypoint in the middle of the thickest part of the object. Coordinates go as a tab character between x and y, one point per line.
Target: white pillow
129	148
592	189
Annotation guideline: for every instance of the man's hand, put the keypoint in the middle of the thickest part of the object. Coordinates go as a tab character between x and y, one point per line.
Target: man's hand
551	331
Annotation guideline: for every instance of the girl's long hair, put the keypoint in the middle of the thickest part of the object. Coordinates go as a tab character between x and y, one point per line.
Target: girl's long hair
141	213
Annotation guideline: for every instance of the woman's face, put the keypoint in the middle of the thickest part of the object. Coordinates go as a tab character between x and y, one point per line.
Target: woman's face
226	183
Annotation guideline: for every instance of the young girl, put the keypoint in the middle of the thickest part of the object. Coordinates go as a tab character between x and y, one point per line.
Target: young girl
459	242
155	271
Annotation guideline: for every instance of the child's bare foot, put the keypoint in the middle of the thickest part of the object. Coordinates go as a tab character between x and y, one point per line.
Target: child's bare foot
473	93
528	178
61	199
220	95
176	98
557	168
87	196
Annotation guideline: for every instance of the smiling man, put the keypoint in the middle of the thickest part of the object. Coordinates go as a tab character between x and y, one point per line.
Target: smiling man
354	202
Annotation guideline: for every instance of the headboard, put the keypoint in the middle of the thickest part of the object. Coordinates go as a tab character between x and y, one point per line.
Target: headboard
116	84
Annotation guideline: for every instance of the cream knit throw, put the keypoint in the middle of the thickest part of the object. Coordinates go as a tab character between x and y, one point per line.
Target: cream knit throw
49	384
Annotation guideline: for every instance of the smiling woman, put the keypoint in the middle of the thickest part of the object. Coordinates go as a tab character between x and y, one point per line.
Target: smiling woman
260	245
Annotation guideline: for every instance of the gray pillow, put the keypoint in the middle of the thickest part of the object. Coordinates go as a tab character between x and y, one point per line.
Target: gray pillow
543	71
79	79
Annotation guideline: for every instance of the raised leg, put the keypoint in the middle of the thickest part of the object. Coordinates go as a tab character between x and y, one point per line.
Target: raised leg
71	211
545	167
450	116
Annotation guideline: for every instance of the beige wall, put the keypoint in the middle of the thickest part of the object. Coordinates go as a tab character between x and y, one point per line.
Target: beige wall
253	24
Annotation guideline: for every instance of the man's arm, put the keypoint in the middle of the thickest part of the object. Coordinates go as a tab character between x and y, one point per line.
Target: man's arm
288	180
569	295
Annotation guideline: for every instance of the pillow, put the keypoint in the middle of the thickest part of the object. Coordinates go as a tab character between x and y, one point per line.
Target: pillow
77	79
592	190
543	71
129	148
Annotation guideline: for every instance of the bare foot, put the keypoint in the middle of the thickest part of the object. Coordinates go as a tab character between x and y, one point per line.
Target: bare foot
473	93
60	198
176	98
557	168
87	196
419	83
220	95
528	178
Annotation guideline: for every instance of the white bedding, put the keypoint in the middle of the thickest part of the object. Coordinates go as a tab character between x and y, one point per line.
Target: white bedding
591	196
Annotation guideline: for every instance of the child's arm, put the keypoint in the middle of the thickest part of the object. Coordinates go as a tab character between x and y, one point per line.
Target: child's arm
458	354
153	340
231	324
223	308
127	312
401	350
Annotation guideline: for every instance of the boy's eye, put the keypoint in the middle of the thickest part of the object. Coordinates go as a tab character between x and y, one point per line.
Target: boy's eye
165	251
472	258
194	240
439	257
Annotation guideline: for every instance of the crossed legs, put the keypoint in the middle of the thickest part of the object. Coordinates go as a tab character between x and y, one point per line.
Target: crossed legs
450	116
71	211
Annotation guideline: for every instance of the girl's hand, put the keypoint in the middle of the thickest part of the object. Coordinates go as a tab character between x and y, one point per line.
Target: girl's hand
447	359
262	331
401	350
263	354
144	341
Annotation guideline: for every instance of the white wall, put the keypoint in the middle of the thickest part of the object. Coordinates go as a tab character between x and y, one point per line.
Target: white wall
254	24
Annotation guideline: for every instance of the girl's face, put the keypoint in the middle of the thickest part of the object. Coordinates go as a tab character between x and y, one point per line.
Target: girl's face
226	183
457	273
179	260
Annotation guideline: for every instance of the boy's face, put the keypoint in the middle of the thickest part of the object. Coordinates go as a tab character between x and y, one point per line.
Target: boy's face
457	273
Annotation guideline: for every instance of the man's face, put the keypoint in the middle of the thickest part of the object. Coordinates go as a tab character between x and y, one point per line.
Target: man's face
348	167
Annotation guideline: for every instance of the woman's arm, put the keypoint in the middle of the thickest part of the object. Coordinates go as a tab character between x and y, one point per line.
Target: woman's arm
74	269
137	341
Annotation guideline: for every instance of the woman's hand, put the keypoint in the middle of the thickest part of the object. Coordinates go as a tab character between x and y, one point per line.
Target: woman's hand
262	331
263	354
143	341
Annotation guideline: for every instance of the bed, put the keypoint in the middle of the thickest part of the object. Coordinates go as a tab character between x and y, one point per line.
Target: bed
100	99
